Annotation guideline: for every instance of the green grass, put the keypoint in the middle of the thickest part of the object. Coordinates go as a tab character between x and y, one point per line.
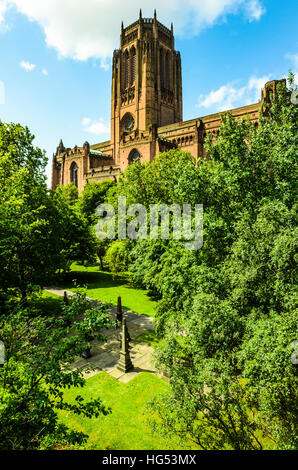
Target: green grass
149	337
125	428
107	287
49	304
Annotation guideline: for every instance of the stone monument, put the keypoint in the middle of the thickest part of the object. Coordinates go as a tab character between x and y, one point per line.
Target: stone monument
119	310
124	364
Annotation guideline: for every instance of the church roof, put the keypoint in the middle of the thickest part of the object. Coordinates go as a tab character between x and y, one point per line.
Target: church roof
99	153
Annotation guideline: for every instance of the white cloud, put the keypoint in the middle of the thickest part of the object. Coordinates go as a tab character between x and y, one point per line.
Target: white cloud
255	10
45	72
83	29
230	96
27	66
86	121
3	10
98	127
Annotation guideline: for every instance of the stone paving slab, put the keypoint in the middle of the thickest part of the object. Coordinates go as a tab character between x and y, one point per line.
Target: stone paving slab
127	377
116	373
106	354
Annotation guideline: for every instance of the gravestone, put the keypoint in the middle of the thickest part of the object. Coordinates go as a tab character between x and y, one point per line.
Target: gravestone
124	364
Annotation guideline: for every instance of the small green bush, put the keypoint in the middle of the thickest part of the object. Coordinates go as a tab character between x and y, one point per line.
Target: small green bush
117	256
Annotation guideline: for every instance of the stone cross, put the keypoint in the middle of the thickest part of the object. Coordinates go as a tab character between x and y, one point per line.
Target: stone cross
124	363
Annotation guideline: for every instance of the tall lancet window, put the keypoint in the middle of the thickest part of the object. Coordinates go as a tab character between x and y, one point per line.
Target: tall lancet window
74	173
161	70
133	64
126	69
167	71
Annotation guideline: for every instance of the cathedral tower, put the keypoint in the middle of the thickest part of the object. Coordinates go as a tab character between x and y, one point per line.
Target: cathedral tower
146	110
146	86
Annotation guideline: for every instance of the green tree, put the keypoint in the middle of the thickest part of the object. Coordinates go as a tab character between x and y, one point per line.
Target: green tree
101	250
77	237
93	195
39	232
90	198
39	354
117	256
17	152
70	192
242	280
29	223
165	180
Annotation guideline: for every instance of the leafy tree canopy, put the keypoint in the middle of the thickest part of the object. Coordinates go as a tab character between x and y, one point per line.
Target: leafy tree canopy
227	313
39	354
39	231
93	195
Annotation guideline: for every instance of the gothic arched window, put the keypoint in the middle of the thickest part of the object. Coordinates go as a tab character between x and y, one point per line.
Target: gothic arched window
74	173
126	69
128	122
133	64
167	71
134	156
161	71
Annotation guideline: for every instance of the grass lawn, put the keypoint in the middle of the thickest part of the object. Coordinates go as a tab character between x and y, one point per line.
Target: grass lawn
125	428
48	303
107	287
149	337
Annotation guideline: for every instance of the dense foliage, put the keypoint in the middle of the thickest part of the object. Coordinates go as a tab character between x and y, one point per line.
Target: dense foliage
90	198
39	353
93	195
117	256
40	232
227	313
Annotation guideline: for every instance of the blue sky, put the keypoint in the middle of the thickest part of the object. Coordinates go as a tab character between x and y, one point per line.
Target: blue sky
55	73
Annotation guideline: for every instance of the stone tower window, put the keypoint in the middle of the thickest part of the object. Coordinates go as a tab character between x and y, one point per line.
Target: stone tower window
161	68
126	78
133	64
134	156
74	173
167	71
128	122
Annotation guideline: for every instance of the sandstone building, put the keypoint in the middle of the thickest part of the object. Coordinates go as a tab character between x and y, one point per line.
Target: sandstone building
146	110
